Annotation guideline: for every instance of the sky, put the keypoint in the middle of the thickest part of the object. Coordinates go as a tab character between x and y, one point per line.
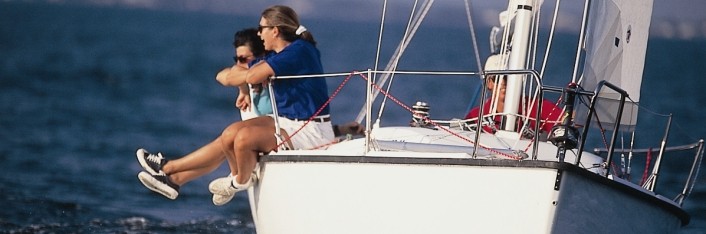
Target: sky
682	19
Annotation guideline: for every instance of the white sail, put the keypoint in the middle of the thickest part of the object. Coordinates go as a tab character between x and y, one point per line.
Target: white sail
616	43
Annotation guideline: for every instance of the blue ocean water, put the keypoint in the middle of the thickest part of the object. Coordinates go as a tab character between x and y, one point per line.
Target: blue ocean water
81	88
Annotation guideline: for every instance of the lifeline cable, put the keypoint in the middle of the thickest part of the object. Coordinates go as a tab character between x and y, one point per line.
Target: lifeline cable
317	111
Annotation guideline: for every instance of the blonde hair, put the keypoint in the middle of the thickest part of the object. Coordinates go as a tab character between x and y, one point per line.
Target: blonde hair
287	21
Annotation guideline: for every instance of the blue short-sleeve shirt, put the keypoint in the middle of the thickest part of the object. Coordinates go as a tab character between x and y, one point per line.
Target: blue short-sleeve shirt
298	98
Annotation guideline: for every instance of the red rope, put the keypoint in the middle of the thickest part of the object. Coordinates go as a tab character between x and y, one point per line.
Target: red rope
317	113
647	166
426	118
543	123
398	103
616	170
600	127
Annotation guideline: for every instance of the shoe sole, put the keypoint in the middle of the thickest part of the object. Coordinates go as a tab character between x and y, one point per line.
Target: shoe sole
141	158
149	182
214	187
219	199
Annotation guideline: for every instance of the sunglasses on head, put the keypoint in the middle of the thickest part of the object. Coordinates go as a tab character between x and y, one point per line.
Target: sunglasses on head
240	59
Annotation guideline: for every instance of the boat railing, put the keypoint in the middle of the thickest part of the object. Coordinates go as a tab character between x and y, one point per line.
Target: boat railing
611	150
371	94
542	90
693	173
616	127
536	78
372	72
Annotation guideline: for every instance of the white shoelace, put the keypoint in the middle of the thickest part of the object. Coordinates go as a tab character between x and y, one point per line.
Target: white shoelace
155	158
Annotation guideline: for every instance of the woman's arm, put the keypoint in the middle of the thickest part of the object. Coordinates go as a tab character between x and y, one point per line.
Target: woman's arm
259	73
232	76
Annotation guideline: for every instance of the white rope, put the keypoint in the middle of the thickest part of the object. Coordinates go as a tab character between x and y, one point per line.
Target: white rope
551	39
546	55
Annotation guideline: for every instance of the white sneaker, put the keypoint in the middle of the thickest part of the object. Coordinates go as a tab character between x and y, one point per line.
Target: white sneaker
224	190
220	184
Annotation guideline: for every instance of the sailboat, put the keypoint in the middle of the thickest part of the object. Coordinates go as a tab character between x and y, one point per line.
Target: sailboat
453	176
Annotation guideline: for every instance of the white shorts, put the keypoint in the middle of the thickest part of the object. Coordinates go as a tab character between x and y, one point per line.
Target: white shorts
245	115
314	135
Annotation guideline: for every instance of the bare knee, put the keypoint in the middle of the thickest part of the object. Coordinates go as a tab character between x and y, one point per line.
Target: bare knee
259	139
244	142
230	131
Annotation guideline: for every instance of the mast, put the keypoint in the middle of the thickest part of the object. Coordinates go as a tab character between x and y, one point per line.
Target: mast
517	60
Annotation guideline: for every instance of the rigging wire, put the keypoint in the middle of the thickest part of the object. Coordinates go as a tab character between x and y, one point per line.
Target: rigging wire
400	49
525	104
382	27
550	40
396	59
505	48
547	50
698	169
476	53
582	37
473	38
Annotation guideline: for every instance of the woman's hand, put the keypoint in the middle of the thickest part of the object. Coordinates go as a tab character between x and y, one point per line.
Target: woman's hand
243	101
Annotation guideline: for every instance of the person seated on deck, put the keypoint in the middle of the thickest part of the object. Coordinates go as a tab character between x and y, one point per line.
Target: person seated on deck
167	176
253	100
496	85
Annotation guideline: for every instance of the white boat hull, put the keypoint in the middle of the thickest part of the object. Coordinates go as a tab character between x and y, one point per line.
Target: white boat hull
390	193
428	178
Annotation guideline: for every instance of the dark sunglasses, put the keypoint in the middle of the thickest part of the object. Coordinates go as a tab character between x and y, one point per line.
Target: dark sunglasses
240	59
260	28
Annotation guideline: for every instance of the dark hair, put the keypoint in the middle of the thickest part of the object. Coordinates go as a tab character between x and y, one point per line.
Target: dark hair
287	22
248	37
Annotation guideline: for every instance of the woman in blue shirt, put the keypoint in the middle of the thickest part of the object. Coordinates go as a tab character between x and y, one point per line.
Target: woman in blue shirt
292	52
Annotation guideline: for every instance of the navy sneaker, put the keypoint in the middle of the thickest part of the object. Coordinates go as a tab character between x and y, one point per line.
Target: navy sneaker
152	163
160	184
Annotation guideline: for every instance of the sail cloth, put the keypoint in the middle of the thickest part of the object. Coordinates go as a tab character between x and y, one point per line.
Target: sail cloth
616	43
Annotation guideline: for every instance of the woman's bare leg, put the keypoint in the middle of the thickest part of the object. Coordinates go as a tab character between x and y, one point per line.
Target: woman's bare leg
207	158
249	142
195	164
182	178
229	137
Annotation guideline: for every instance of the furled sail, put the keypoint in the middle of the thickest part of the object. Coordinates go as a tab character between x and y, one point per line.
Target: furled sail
616	43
